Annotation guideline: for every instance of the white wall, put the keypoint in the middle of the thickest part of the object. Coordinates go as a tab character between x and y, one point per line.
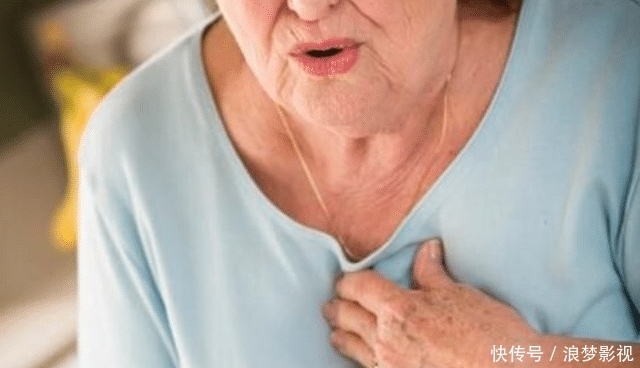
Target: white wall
96	26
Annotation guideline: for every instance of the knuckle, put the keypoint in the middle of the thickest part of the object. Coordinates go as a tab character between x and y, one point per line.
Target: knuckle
385	355
354	280
341	312
398	306
337	339
366	323
364	278
338	307
339	283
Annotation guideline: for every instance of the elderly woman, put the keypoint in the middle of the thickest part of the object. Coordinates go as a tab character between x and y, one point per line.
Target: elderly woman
448	183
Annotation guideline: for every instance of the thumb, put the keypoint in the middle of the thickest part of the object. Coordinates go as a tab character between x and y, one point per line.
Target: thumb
428	266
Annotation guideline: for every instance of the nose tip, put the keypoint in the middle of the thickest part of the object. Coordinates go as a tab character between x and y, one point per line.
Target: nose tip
311	10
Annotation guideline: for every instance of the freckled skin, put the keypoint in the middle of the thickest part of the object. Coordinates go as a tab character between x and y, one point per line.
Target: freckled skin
440	323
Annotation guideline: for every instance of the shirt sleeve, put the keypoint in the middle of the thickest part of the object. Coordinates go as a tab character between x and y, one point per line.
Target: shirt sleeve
122	320
629	251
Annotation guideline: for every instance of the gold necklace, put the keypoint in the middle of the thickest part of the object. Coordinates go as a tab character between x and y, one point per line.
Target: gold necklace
314	186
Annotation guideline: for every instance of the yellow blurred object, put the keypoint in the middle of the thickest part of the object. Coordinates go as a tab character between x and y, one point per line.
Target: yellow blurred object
78	92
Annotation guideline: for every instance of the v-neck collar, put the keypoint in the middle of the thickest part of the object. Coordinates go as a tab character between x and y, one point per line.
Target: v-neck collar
411	230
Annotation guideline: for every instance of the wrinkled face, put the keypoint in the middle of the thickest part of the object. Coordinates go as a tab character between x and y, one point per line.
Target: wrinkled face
354	64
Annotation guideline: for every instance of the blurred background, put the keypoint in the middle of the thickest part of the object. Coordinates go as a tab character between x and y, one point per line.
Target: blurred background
57	59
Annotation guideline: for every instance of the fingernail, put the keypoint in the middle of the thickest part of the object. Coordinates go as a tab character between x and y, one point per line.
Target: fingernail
337	279
329	313
434	249
335	339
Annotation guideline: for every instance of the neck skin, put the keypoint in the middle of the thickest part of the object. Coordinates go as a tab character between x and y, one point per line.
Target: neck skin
368	180
344	160
345	165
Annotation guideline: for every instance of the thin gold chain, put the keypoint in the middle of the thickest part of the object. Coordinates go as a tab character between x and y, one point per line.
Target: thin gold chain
303	162
311	180
314	186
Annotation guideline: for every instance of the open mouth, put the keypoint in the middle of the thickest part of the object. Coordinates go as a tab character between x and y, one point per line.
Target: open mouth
324	53
326	58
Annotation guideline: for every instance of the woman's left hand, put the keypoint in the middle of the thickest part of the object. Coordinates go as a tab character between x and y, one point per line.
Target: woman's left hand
440	323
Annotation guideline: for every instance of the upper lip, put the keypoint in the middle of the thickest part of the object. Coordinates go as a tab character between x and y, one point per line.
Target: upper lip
333	43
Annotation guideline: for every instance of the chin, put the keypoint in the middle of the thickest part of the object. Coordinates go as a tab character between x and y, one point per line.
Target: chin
353	111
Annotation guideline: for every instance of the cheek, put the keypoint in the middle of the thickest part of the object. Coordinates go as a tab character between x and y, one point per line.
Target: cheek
252	22
399	27
398	14
406	21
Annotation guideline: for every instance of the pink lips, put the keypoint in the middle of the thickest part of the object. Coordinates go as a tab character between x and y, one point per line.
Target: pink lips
328	57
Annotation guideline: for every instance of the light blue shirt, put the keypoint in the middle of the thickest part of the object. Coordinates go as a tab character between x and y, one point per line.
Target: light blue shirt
183	261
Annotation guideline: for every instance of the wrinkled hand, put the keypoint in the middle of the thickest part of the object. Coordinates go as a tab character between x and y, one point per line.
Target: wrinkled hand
441	323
